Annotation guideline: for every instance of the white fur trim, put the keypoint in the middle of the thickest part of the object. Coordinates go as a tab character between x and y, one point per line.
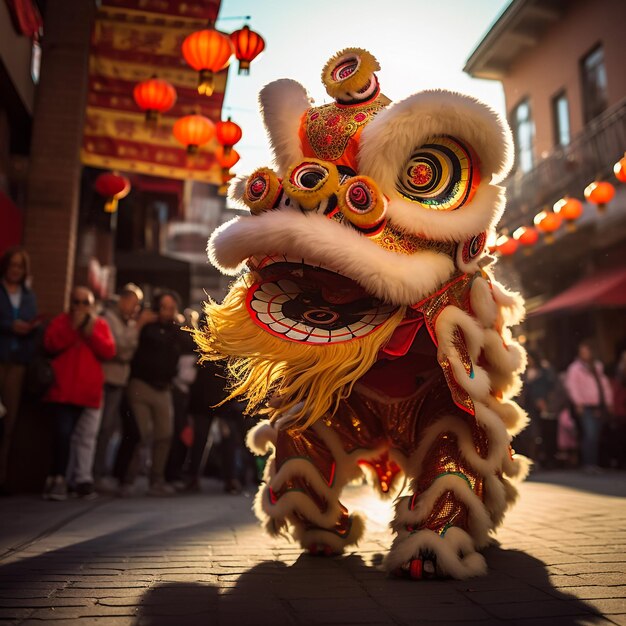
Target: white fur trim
510	304
481	214
337	543
237	190
283	102
388	141
512	415
261	438
456	555
294	502
517	467
498	445
505	362
304	468
448	321
395	278
495	499
451	319
482	303
510	492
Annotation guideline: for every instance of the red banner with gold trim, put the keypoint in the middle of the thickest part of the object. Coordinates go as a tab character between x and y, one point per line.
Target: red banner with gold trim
132	40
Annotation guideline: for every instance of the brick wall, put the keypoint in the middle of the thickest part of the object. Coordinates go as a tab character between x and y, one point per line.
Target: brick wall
55	169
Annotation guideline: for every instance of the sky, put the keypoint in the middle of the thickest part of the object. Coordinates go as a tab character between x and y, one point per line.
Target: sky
420	44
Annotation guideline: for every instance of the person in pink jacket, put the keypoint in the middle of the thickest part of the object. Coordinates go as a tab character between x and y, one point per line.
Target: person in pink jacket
591	395
78	341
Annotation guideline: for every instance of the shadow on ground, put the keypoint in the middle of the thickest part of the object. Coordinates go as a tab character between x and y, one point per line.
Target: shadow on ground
346	590
341	590
606	483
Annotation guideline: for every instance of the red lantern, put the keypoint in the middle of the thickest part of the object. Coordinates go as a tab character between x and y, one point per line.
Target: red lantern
570	209
620	169
600	194
526	235
228	134
207	51
248	46
113	187
548	222
506	246
194	131
226	161
154	96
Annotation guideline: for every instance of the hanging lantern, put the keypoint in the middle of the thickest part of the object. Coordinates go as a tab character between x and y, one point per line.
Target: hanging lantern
226	161
194	131
154	96
222	190
526	235
248	45
207	51
548	223
620	169
600	194
228	134
113	187
506	245
570	209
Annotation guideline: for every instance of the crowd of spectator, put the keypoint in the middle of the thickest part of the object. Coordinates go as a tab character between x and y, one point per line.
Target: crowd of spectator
122	389
577	417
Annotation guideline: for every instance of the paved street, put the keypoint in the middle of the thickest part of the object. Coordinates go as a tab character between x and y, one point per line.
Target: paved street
201	559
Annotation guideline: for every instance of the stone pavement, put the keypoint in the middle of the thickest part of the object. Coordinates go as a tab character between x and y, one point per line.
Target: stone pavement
201	559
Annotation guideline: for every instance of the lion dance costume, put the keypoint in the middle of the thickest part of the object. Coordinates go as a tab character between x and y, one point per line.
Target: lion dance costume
368	322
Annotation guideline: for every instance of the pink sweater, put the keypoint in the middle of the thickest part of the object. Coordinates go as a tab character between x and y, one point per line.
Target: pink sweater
582	387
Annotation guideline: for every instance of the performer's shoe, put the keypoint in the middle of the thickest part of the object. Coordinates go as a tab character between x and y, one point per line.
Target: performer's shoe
424	567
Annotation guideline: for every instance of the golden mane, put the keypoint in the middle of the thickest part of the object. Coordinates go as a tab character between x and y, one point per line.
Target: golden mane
262	365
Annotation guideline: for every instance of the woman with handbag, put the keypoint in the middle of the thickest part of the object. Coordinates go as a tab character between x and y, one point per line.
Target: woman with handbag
18	329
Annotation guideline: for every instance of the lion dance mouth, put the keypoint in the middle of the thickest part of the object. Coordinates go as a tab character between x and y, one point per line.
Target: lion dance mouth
268	326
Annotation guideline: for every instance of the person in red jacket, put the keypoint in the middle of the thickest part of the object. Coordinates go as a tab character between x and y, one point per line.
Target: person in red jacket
79	341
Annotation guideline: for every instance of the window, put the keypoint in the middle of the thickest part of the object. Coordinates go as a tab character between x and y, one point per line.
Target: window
593	72
560	115
523	135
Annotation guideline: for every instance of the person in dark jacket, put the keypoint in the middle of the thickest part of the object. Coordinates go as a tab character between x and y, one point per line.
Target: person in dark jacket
79	341
18	332
540	386
152	371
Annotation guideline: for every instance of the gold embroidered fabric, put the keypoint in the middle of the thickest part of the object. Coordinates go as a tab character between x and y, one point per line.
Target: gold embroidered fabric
329	128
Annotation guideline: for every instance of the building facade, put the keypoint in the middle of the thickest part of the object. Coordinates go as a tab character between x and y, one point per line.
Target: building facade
560	63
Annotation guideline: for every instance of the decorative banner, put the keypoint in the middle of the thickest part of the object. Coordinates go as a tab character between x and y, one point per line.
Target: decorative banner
131	41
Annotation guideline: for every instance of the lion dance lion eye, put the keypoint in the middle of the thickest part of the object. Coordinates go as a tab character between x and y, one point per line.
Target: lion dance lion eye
362	204
310	182
263	190
441	175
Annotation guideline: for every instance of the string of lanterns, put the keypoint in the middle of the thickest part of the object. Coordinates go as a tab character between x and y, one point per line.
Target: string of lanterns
565	211
208	51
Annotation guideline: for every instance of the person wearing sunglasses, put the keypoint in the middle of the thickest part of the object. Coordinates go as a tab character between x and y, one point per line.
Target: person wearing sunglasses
79	341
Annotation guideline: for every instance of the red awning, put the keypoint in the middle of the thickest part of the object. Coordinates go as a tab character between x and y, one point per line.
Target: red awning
603	289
